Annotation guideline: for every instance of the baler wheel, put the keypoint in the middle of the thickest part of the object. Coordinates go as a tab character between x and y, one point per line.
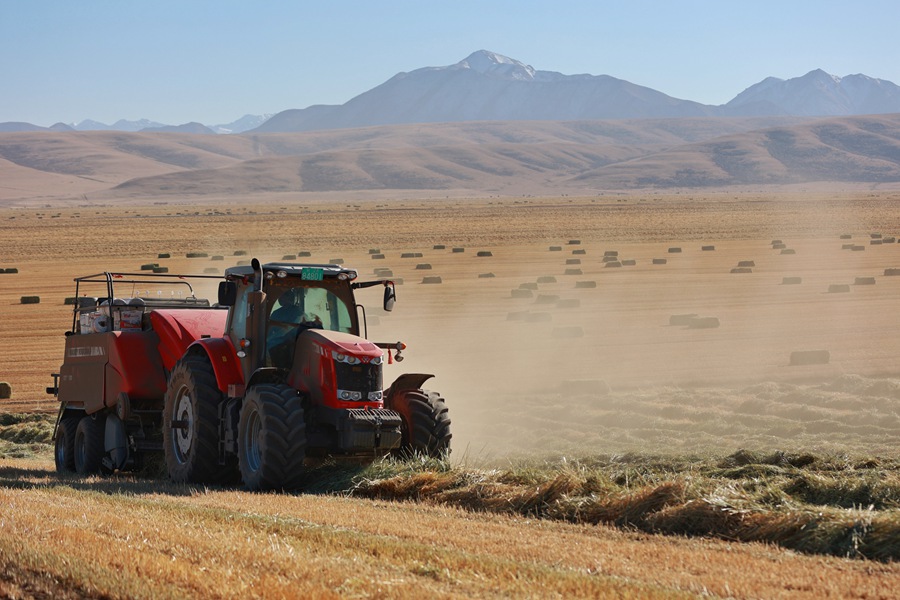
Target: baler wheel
272	438
64	451
191	424
426	423
89	445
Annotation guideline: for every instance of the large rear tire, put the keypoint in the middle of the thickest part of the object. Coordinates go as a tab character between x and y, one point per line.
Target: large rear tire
426	422
191	425
64	451
89	445
272	438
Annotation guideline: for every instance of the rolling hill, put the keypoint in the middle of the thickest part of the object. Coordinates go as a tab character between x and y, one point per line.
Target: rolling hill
514	158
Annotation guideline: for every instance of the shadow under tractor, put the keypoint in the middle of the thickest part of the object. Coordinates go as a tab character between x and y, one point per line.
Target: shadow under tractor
247	389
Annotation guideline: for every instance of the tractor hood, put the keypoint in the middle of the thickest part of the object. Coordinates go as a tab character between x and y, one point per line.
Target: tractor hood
344	343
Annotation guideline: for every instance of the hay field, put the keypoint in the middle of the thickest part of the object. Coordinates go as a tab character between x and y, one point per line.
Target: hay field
598	363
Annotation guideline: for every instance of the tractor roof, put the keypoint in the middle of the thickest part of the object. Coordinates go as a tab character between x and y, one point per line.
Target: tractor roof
303	271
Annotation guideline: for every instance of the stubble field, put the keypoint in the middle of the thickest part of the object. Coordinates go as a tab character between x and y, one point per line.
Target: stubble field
544	349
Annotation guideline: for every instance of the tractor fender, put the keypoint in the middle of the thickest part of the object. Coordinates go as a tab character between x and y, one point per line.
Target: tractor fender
224	361
407	381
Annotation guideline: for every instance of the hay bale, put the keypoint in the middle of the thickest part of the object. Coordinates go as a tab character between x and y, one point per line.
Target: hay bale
846	236
572	272
162	269
579	251
776	242
10	270
485	275
707	248
377	256
335	261
847	246
659	261
538	317
423	267
484	253
746	263
585	285
417	254
892	271
857	248
555	248
217	257
240	253
149	266
779	246
838	288
790	280
703	323
521	293
584	387
546	279
438	247
30	300
163	255
197	255
374	250
682	320
304	254
875	242
408	255
788	251
810	357
71	300
613	264
864	281
611	253
289	257
674	250
530	285
5	390
546	299
458	250
875	236
574	242
567	333
431	279
742	270
629	262
889	240
609	259
568	303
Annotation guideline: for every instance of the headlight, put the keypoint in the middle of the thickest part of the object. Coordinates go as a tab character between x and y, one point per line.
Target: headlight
344	358
349	395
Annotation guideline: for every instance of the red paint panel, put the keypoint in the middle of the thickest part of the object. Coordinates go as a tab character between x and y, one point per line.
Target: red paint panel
134	367
225	362
179	328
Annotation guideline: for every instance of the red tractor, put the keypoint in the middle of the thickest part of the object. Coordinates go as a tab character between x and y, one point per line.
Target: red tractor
247	389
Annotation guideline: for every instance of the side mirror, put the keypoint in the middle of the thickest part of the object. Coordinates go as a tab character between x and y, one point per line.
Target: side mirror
390	296
227	293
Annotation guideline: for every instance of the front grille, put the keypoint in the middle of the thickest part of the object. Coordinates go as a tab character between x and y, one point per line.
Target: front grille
358	378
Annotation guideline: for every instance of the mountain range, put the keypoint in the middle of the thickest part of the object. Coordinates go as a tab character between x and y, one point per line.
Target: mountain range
486	86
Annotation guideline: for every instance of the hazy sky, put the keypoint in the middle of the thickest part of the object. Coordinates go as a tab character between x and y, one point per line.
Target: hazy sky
212	61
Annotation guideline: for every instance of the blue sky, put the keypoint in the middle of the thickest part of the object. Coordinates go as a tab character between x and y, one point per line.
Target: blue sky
214	61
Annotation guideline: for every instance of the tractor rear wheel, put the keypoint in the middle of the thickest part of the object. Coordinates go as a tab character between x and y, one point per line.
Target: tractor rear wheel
64	451
89	445
191	424
272	438
426	422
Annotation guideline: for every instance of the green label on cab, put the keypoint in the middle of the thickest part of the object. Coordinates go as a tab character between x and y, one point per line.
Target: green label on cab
311	274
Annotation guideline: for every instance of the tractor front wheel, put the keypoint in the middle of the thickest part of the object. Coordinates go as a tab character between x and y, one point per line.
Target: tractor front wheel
272	438
191	424
426	422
